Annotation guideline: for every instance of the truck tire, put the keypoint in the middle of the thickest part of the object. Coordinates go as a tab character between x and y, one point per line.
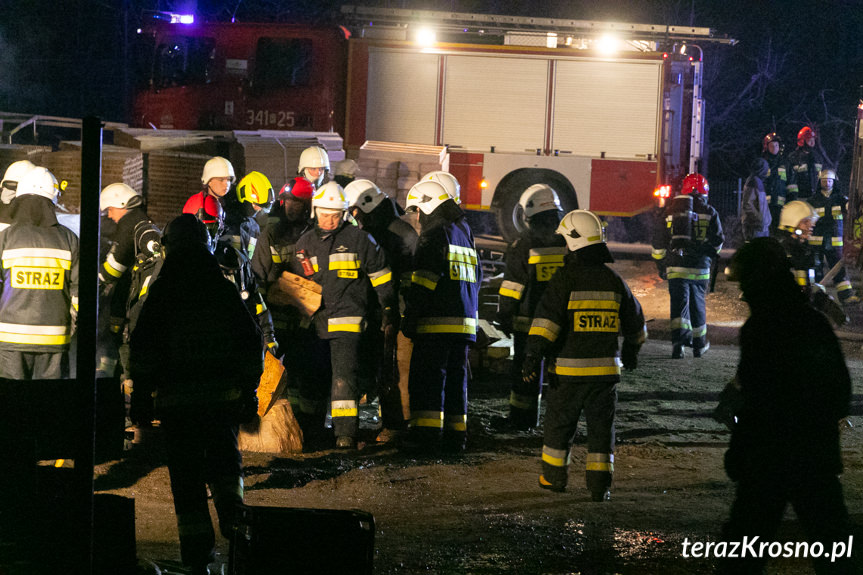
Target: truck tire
507	211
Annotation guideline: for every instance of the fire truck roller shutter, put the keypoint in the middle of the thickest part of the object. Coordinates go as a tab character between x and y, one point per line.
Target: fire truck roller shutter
504	204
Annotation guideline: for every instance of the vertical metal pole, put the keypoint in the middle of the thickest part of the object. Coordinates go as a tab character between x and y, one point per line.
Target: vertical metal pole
88	310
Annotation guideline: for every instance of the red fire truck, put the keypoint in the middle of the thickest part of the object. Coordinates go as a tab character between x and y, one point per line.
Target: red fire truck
514	101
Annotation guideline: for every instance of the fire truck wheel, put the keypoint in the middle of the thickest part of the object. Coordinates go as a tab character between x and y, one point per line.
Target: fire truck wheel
507	211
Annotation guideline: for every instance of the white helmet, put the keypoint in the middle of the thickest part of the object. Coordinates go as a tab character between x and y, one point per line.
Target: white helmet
314	157
426	196
364	194
346	167
14	173
795	212
448	181
217	167
537	199
331	196
581	228
119	195
39	182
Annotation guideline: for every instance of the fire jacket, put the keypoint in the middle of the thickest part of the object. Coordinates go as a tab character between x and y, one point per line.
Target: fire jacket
805	164
693	260
801	257
344	261
122	253
396	237
241	230
577	322
530	263
273	255
195	344
443	298
831	212
237	268
39	281
777	178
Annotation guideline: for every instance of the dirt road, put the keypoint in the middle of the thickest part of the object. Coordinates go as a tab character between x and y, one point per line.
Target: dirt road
483	513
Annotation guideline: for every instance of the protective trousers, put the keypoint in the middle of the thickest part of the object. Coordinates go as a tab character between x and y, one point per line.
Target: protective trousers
759	506
524	398
344	396
566	400
307	364
688	312
438	390
825	259
24	365
202	453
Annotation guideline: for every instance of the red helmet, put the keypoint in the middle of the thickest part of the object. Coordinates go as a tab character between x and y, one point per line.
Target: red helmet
695	183
299	188
208	210
771	137
804	134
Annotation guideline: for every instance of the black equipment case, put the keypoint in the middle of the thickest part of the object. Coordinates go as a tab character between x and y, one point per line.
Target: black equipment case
282	540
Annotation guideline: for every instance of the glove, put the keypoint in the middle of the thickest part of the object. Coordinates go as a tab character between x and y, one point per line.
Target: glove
390	323
660	269
530	369
629	355
409	327
273	346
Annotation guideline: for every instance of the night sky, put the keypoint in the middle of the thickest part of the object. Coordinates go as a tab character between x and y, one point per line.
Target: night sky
797	62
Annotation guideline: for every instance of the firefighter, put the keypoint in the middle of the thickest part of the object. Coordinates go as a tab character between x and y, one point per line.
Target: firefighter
576	324
441	317
345	261
124	206
796	222
274	254
805	163
756	218
314	165
234	263
9	184
197	353
530	263
378	215
826	239
785	446
254	195
777	176
687	239
345	172
39	285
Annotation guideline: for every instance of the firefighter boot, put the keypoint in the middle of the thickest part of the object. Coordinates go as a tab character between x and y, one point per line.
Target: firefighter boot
678	352
699	351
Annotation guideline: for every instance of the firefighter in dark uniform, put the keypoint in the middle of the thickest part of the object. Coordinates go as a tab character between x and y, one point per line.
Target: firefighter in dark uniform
827	240
377	214
777	176
805	164
344	260
530	263
198	354
235	264
441	317
125	207
254	194
276	249
785	445
796	223
576	324
687	239
38	285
